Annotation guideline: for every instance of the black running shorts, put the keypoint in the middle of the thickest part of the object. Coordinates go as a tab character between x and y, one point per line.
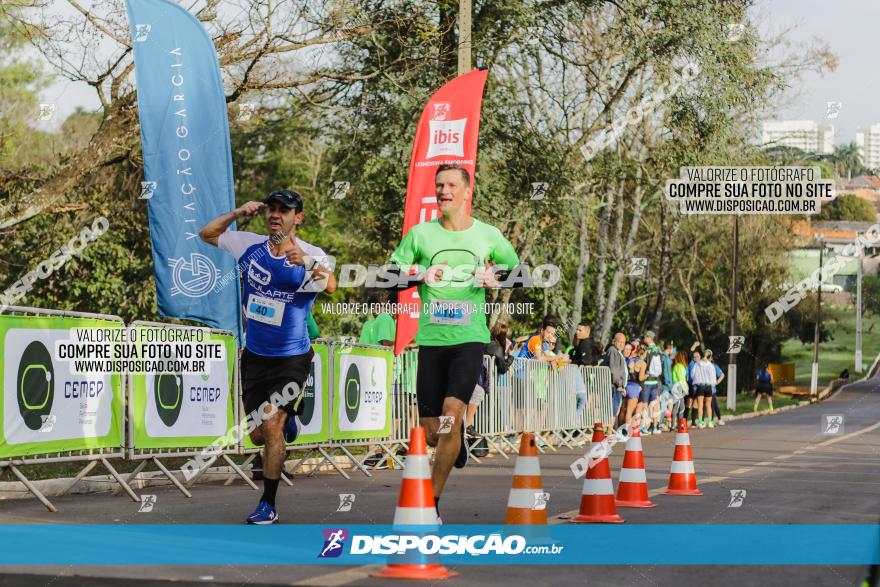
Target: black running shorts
262	376
447	371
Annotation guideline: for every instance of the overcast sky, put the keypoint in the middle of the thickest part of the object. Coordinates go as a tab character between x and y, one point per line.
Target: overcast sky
848	26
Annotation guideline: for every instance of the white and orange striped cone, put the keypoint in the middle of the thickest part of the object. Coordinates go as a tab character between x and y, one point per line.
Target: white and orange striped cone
527	486
415	507
632	486
597	496
682	477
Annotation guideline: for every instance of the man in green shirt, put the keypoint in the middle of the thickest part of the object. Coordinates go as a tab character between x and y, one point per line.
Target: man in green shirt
380	328
462	255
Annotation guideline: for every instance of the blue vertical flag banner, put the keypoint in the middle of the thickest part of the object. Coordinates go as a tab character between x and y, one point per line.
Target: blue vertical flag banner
187	161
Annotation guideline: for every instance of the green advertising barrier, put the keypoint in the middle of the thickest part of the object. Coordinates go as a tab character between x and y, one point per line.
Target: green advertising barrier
182	410
315	419
361	394
52	403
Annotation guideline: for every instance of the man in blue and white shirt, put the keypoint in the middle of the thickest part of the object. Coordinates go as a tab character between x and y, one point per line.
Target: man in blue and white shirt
282	276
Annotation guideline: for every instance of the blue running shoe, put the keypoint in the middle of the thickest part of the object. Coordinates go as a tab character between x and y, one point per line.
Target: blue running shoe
291	431
264	514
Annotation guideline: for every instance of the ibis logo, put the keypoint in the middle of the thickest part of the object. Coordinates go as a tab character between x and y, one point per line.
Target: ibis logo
35	384
446	138
352	392
168	393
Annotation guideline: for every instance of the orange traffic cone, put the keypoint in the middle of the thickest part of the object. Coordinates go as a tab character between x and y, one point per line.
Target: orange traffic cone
415	506
632	487
682	478
597	496
527	488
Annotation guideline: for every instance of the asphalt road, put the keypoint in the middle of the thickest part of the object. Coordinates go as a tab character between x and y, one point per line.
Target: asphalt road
791	471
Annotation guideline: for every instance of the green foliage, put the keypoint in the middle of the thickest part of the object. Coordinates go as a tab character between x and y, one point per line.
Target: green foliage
537	105
848	207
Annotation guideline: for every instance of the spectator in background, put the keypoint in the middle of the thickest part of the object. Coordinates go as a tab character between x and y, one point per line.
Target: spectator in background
703	377
616	361
635	376
585	352
764	386
691	407
719	375
679	388
380	327
499	347
502	348
539	347
648	400
665	400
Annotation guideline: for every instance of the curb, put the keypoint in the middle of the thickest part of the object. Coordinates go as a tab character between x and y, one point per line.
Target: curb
748	415
106	483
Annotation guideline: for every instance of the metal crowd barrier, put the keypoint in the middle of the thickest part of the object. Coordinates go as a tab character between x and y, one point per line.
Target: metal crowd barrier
536	396
91	456
532	396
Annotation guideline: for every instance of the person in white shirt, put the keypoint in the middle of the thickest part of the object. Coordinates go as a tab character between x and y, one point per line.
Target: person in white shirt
703	380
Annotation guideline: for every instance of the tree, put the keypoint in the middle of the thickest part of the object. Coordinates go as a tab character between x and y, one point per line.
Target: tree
848	207
847	160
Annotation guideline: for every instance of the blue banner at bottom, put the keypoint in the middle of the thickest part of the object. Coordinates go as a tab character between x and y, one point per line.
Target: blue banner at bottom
759	544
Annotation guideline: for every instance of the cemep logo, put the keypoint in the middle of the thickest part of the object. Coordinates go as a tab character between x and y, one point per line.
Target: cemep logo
334	542
35	384
352	392
168	392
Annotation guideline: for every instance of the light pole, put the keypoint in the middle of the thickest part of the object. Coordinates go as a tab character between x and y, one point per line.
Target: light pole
814	379
731	365
464	36
859	254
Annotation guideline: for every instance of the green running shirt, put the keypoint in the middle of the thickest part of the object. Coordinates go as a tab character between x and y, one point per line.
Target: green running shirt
464	251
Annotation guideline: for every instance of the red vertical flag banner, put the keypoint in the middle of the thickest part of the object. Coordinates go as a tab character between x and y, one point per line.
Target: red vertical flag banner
447	133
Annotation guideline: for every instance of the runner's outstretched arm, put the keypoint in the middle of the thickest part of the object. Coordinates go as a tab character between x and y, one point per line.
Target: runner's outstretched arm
210	233
400	279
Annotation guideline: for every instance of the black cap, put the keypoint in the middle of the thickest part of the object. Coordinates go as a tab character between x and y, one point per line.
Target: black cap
287	198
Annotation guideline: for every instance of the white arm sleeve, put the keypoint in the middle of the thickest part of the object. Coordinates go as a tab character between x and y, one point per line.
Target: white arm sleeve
238	241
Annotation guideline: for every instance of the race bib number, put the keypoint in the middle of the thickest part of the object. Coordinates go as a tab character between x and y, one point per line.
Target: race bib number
457	313
265	310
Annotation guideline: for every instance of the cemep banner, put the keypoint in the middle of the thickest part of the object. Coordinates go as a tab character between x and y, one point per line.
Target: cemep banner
362	382
182	410
187	161
47	406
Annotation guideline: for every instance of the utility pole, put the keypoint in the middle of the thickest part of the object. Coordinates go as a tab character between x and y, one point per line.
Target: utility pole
814	379
731	365
859	254
464	36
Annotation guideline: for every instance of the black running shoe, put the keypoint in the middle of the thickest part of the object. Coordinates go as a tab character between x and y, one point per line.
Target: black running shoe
463	452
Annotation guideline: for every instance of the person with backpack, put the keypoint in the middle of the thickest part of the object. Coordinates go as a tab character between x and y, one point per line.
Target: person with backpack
764	387
666	402
651	386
